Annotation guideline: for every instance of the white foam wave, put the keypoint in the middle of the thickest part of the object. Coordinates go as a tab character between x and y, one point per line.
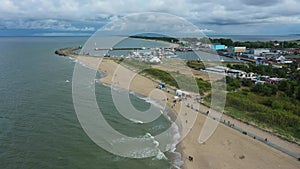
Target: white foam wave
176	162
156	143
106	85
72	59
153	102
96	80
136	121
147	99
161	156
156	128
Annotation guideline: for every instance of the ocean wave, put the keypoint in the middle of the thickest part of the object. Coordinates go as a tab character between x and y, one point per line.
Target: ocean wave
156	128
153	102
148	135
73	59
175	157
176	161
147	99
161	156
136	121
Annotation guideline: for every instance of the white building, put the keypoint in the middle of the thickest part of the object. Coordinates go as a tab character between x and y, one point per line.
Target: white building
259	51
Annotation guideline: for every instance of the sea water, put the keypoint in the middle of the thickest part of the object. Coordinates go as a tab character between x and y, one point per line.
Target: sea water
38	124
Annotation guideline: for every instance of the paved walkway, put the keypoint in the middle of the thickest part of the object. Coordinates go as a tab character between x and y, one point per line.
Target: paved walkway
245	132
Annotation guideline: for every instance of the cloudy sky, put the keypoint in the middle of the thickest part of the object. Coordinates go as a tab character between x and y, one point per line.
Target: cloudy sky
84	17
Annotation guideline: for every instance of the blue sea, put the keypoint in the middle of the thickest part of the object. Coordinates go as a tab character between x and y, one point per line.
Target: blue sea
38	124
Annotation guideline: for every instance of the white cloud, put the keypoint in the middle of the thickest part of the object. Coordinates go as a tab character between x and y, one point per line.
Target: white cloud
153	22
201	12
51	24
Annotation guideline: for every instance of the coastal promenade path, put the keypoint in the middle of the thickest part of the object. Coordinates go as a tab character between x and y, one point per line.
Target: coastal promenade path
233	124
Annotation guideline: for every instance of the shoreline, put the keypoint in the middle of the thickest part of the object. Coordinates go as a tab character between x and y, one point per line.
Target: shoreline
189	142
107	67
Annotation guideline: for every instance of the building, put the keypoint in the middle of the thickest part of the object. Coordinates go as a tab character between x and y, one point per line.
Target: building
216	46
239	49
276	43
260	51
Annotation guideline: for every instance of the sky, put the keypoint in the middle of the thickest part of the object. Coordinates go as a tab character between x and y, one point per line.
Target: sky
84	17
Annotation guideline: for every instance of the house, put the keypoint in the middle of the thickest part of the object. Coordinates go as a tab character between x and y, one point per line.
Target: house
276	43
281	59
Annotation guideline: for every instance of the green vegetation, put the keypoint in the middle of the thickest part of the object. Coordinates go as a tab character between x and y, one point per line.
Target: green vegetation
133	64
264	70
256	44
197	65
278	113
232	83
265	89
160	38
203	85
67	51
174	79
160	75
178	80
227	42
272	106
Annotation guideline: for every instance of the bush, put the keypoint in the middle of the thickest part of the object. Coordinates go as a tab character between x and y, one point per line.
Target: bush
232	83
161	75
197	65
277	112
265	89
247	83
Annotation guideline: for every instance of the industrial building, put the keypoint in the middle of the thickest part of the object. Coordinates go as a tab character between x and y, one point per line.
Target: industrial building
216	46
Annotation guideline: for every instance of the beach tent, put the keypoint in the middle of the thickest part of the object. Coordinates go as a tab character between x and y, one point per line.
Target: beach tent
178	92
155	60
161	85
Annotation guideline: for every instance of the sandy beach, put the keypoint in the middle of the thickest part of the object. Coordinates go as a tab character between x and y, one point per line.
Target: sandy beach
226	149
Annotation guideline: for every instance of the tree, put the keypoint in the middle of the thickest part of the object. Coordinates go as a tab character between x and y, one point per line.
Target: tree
247	82
265	89
298	93
283	85
232	83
